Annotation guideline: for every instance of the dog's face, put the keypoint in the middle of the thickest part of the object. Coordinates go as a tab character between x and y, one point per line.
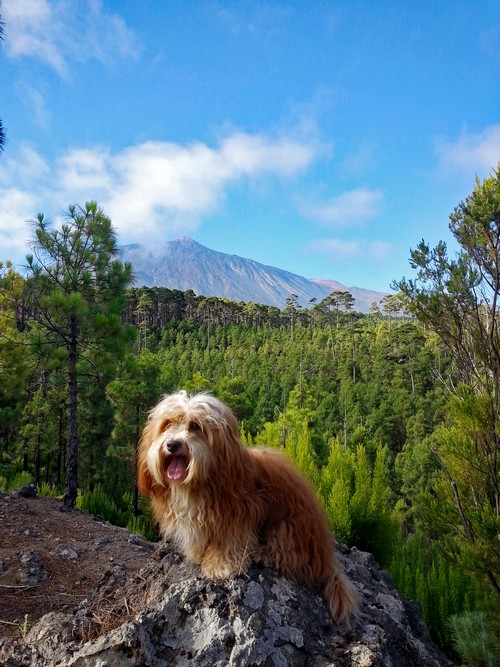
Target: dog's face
187	439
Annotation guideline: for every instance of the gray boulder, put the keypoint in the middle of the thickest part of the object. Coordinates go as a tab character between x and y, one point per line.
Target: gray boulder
170	614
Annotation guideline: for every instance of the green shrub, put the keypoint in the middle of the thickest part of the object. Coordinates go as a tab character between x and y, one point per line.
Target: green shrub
98	503
420	572
358	500
49	490
474	639
143	525
20	479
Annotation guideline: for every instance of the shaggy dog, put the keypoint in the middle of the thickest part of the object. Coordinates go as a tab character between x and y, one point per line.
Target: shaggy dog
225	504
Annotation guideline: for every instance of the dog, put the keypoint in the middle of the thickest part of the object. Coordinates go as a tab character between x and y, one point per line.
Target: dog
225	504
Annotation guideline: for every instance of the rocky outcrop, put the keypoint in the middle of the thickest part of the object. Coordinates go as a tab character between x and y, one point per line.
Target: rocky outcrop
170	615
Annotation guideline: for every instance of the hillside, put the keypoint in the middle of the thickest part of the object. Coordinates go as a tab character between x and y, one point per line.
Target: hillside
115	602
52	560
184	265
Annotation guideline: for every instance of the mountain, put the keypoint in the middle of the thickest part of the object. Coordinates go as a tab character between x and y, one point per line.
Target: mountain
184	264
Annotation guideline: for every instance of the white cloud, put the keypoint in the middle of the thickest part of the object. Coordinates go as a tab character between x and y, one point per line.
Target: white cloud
31	31
59	31
341	250
22	171
351	208
336	249
84	170
478	153
379	250
34	101
16	208
158	183
153	188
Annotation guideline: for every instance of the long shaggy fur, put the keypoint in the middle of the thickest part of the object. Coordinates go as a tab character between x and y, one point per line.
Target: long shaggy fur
225	504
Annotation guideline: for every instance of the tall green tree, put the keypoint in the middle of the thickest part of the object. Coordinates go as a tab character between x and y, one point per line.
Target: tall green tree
459	299
74	299
132	393
13	354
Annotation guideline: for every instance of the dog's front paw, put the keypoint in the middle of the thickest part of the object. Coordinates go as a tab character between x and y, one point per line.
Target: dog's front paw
217	565
217	571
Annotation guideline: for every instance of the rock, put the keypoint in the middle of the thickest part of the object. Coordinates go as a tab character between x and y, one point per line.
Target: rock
29	491
31	570
137	540
171	615
101	542
65	552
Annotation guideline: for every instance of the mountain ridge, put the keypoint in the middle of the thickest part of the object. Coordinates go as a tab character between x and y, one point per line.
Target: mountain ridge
185	264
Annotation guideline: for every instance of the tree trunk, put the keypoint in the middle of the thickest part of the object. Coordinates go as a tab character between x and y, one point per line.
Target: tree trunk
60	449
71	488
37	458
135	496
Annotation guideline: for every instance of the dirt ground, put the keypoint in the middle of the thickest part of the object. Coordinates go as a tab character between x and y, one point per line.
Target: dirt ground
51	560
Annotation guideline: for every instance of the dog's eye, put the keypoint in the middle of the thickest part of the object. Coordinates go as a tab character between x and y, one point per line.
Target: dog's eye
194	426
166	424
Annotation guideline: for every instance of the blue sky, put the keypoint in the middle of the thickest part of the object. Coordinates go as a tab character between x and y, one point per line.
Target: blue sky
325	138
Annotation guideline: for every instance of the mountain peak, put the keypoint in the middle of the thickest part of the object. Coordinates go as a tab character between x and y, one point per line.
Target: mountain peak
185	240
185	264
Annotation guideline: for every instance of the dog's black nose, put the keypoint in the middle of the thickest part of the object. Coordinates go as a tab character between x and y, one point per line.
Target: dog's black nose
174	446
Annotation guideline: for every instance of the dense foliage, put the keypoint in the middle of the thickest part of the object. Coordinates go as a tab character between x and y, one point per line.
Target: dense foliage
459	298
362	404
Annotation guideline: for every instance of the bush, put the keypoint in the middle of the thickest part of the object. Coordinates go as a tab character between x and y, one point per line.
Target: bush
20	479
420	572
474	639
98	503
358	500
49	490
142	525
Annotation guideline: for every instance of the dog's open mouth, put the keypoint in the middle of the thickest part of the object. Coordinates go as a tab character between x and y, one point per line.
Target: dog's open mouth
176	467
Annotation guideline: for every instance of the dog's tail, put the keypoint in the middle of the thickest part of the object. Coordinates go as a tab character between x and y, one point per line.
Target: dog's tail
341	596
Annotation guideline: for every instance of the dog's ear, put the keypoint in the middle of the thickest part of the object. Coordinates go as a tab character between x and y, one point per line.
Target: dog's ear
144	479
228	445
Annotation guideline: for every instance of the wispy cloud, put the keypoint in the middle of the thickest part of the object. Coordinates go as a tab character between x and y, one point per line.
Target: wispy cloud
352	208
46	30
151	189
14	207
341	250
159	183
336	249
263	19
471	152
34	100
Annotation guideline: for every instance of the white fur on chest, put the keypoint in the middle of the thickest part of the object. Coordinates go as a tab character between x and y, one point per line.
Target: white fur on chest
185	524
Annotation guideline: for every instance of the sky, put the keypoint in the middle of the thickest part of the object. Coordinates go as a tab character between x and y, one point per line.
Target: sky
323	138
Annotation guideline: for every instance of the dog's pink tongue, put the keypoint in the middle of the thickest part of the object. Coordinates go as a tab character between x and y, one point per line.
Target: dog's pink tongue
177	467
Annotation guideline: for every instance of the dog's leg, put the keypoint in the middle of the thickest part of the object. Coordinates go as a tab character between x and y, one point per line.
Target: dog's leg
194	553
221	562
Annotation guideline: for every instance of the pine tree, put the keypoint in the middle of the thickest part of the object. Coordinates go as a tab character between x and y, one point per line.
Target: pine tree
460	300
75	291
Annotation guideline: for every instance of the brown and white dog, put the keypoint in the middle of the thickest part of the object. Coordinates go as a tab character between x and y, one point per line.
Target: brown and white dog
225	504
